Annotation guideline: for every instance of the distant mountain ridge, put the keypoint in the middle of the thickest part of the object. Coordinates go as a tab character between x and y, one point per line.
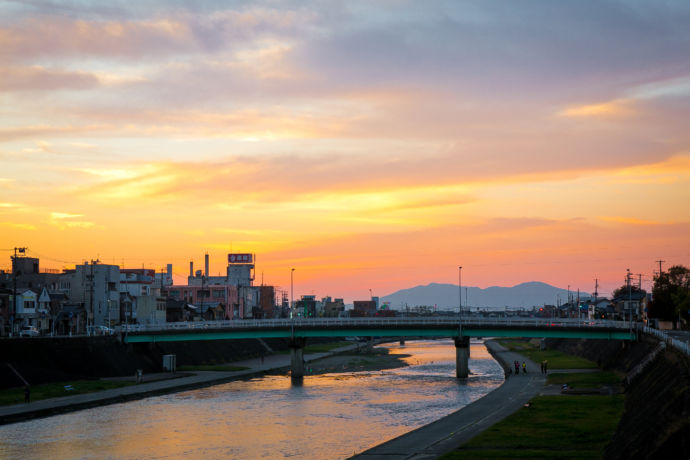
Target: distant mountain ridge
445	296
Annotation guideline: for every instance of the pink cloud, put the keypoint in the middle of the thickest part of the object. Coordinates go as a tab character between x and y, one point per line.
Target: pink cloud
38	78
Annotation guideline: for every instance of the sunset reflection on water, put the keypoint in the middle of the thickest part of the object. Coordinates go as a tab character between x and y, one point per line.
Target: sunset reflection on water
328	416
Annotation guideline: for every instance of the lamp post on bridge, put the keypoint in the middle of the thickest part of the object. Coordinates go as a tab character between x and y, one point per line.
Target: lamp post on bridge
460	300
460	290
292	291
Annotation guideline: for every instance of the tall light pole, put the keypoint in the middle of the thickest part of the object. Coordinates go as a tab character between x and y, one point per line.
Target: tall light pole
460	290
292	291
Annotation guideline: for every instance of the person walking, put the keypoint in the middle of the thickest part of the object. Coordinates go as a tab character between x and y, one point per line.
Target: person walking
524	368
517	367
546	365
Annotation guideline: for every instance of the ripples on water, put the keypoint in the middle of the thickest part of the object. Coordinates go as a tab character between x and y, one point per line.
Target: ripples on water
328	416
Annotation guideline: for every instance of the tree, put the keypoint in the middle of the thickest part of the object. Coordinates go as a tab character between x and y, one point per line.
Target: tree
622	292
671	294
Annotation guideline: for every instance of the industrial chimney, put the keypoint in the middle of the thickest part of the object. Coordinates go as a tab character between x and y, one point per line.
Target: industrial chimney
206	267
191	268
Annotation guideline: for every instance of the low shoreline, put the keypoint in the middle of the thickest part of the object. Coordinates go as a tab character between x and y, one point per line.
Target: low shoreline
453	430
339	360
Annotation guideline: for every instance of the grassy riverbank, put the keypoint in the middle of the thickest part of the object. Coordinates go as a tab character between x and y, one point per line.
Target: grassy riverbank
56	390
212	367
556	359
585	379
573	427
563	426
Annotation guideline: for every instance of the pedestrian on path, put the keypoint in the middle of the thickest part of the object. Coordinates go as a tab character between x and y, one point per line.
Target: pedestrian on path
524	368
517	367
546	365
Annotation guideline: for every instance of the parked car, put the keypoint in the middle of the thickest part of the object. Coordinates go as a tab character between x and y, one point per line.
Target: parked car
29	331
99	330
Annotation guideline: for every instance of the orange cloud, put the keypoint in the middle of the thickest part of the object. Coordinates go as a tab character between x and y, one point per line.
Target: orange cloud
616	107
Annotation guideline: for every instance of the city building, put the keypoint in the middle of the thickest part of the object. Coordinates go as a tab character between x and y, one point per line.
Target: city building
96	287
363	308
144	294
333	308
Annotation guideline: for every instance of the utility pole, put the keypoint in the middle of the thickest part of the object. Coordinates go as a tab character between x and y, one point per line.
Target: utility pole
596	293
627	279
292	291
460	290
15	272
660	262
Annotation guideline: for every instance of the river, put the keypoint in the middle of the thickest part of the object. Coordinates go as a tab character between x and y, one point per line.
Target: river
328	416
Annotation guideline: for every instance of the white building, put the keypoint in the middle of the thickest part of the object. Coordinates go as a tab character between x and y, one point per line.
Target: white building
97	287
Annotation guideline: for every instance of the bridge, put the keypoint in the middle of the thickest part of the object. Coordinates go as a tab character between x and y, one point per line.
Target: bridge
297	330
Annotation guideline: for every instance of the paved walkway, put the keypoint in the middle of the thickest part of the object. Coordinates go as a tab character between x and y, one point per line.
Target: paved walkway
450	432
153	385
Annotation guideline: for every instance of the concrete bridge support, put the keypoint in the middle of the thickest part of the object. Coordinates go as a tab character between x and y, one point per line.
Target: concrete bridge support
296	345
462	357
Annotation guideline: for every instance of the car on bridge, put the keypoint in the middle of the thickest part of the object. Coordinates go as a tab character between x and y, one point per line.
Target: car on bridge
29	331
99	330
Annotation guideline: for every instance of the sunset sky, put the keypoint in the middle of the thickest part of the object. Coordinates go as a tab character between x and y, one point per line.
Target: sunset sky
369	145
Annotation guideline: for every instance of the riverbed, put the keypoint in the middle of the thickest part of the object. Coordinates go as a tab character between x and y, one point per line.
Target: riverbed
330	415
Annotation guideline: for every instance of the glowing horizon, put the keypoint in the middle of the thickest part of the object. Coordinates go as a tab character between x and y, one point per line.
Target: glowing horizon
370	146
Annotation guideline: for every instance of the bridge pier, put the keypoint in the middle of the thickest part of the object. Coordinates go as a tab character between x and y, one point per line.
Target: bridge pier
462	357
296	345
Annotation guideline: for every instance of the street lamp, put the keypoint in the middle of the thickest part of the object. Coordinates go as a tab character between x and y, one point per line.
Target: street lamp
292	291
460	290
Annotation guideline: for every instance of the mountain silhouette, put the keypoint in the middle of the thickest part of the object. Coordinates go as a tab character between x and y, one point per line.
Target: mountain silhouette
445	296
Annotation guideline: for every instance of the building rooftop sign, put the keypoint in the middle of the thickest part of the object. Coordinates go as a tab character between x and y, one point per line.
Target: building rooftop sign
240	258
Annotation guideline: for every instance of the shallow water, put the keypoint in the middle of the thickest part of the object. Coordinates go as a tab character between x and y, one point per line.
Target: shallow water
328	416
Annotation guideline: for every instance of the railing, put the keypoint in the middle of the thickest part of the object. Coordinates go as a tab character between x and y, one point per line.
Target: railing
679	344
378	322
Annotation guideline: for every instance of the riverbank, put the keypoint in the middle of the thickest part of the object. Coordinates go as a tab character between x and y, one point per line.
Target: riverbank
448	433
155	384
349	358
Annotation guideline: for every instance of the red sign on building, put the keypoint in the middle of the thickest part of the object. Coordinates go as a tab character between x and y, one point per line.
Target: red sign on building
240	258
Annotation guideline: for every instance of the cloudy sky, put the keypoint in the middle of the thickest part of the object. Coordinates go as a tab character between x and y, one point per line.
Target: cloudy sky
369	145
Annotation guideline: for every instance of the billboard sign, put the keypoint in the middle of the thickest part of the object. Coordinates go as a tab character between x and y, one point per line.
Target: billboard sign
240	258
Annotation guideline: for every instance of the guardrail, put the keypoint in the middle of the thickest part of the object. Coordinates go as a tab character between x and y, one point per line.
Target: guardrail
376	322
678	344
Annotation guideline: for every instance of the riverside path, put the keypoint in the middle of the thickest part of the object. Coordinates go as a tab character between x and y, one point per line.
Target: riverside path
446	434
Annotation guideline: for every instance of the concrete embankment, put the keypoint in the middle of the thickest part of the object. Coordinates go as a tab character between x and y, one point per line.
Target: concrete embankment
44	360
656	420
450	432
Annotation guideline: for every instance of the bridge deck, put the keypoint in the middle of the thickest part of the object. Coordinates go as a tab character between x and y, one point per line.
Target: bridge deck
380	327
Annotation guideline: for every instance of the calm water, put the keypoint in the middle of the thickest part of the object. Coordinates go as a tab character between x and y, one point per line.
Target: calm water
329	416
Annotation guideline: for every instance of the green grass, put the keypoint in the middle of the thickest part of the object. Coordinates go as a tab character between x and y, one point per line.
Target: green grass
585	379
55	390
212	367
556	359
576	427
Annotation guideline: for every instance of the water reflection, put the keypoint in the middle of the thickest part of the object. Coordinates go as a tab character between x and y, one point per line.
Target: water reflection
327	416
